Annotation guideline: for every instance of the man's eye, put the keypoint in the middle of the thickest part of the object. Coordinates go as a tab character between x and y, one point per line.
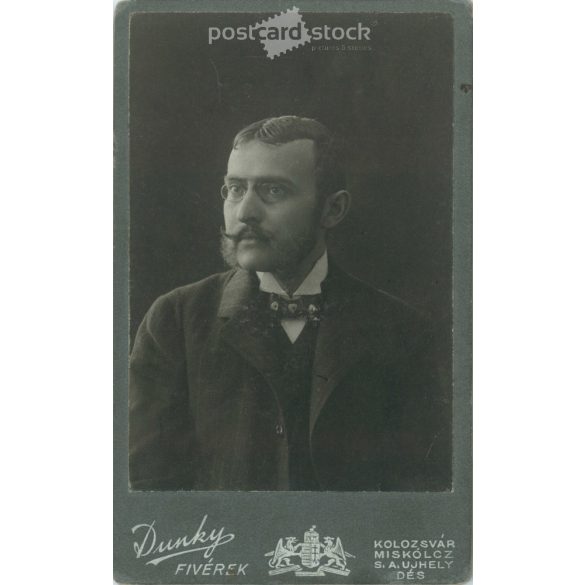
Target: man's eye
273	191
235	191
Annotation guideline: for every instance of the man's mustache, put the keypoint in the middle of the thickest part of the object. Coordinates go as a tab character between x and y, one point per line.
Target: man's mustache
244	233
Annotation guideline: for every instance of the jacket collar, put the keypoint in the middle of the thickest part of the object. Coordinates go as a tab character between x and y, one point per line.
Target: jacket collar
238	293
343	336
247	326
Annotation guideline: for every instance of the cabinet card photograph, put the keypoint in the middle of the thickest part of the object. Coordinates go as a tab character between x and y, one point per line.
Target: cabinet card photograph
293	288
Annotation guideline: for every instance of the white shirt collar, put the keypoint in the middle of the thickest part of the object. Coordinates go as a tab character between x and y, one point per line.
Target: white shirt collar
310	286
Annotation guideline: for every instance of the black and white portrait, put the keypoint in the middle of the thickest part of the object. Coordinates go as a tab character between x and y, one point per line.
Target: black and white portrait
290	259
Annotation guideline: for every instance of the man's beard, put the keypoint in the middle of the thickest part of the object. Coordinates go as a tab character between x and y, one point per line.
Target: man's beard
287	255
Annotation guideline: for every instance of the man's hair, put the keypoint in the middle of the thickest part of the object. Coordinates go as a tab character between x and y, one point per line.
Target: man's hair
329	167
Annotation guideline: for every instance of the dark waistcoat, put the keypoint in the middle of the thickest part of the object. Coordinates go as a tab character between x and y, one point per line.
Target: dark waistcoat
293	388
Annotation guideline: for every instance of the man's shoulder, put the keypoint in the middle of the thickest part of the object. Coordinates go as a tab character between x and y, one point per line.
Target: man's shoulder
193	297
383	317
210	285
373	300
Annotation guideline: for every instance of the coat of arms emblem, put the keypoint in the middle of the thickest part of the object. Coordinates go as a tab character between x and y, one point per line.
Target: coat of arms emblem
316	558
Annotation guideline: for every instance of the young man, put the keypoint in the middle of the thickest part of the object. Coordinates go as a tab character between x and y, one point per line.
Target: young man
285	373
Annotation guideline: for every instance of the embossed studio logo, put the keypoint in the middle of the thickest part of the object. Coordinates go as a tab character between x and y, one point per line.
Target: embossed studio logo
318	558
286	31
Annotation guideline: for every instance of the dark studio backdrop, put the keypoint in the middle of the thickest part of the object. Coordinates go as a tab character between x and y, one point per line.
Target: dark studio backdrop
393	105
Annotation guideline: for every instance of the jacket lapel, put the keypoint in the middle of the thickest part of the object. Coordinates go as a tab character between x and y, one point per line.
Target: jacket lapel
342	338
247	326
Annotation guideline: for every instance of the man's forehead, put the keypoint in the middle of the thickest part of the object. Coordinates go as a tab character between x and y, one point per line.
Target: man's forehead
259	158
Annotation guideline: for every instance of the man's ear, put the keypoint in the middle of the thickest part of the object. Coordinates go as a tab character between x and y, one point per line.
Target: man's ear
335	208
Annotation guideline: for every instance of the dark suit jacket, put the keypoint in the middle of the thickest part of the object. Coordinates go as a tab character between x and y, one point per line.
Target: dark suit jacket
204	414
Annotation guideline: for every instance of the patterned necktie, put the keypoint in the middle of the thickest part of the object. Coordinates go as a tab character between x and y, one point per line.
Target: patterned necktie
306	306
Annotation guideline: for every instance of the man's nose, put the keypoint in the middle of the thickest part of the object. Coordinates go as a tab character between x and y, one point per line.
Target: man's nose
250	208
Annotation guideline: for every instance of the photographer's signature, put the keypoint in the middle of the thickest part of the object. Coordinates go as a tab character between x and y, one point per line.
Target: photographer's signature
147	543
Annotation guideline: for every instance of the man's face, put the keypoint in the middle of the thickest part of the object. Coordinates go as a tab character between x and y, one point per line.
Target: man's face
271	211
